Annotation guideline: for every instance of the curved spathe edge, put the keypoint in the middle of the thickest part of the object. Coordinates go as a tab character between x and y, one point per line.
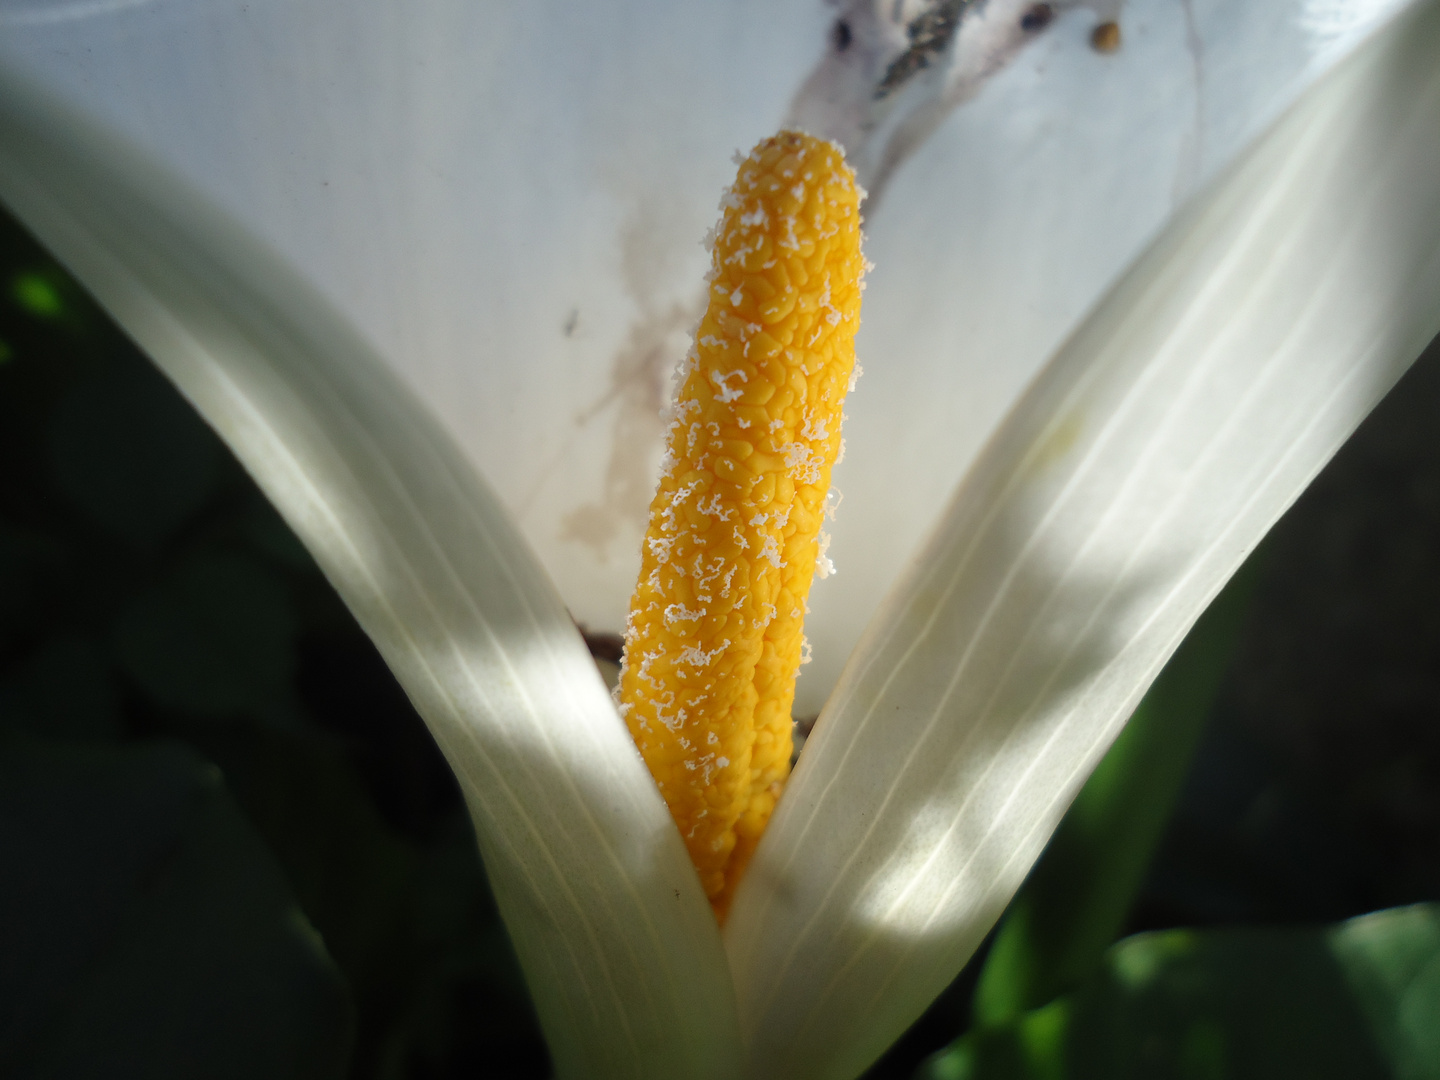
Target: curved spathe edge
1150	456
612	929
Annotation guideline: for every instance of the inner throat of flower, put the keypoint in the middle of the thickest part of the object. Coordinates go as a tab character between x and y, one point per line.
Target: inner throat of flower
714	638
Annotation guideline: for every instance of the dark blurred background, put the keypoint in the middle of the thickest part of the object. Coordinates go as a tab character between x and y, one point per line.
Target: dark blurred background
232	849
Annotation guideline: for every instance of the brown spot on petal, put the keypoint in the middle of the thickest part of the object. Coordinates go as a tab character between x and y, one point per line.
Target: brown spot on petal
639	384
1037	17
1105	38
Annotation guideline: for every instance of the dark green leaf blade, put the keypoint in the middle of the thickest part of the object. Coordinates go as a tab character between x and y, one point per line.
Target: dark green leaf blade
1392	961
131	456
1074	904
216	637
1351	1002
147	931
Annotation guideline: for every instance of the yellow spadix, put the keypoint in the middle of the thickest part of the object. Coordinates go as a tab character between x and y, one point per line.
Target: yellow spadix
714	638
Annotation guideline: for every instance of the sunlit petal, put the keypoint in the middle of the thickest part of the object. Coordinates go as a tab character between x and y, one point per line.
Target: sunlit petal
1134	476
617	940
994	238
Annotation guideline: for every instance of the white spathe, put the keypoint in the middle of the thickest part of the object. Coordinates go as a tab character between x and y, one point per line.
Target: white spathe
507	201
241	182
617	940
1131	480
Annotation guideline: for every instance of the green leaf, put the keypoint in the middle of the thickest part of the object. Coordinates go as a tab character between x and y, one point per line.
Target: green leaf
146	930
1074	903
25	556
37	294
351	872
65	689
129	455
1357	1001
1391	960
215	637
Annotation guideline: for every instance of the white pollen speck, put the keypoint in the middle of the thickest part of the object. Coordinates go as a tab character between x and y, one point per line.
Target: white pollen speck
814	429
712	507
678	613
802	462
727	392
698	657
824	566
737	296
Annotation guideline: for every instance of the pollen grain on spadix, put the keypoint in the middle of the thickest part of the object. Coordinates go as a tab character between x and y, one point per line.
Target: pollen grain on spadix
714	638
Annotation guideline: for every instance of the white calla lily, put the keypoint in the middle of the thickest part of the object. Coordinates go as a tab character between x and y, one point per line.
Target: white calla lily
504	204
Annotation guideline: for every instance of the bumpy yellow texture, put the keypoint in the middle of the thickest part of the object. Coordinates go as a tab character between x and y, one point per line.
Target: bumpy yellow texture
714	637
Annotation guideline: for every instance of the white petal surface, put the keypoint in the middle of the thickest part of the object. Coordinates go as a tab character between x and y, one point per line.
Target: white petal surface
507	199
605	910
1136	474
1008	225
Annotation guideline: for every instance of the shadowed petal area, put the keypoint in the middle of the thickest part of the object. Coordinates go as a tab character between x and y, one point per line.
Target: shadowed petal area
1148	459
617	941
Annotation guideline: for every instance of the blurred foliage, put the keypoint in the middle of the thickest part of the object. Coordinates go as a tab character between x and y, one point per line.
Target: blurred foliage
160	938
232	847
1315	794
1360	1001
241	853
1076	900
1312	793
